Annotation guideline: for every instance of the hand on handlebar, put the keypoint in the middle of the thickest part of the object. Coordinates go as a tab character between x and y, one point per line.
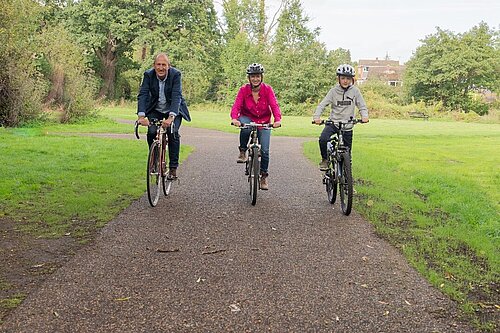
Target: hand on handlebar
143	121
236	122
365	120
167	122
317	121
277	124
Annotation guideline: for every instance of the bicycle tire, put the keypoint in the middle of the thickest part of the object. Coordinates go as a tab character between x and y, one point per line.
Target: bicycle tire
331	184
153	174
167	183
345	184
248	170
255	174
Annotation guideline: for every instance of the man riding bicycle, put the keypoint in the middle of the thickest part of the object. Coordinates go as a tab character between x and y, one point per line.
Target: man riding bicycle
160	97
343	98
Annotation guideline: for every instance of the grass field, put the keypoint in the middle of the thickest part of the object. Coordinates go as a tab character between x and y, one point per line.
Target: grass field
430	187
57	183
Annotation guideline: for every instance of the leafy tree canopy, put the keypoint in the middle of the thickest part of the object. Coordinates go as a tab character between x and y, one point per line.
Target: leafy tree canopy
448	66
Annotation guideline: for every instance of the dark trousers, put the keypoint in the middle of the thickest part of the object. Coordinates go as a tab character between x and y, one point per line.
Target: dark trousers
328	131
174	142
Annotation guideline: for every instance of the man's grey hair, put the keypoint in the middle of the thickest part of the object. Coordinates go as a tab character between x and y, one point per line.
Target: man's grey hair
162	54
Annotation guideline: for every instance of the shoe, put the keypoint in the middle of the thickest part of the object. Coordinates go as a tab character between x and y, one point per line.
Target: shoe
172	174
242	158
263	183
323	165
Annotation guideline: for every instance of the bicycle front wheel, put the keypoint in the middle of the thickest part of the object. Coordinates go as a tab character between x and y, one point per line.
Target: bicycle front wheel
254	175
153	175
167	183
345	184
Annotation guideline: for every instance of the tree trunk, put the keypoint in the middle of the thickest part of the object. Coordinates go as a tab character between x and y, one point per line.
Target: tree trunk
108	59
56	92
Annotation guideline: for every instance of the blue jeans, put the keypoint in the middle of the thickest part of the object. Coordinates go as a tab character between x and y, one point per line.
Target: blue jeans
264	137
174	142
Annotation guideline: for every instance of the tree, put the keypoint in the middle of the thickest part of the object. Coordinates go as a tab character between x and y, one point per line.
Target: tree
244	16
108	29
61	63
236	56
448	66
188	32
299	65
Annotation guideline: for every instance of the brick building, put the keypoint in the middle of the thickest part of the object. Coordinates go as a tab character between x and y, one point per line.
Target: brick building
388	71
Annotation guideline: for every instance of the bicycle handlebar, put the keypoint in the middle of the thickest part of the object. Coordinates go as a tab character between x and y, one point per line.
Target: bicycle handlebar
136	130
350	121
252	124
157	122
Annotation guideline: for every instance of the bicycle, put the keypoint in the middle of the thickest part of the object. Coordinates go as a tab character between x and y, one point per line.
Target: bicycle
339	172
252	164
156	172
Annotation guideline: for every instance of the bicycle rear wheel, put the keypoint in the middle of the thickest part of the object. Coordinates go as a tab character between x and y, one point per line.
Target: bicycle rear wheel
153	175
254	174
345	184
331	184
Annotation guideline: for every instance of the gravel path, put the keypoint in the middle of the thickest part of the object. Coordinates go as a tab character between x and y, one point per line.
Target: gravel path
206	260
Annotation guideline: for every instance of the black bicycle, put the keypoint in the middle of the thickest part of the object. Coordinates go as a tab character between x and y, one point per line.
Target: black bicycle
156	173
339	172
252	164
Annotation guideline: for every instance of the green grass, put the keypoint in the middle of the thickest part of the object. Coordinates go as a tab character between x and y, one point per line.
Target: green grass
12	302
54	184
432	189
9	303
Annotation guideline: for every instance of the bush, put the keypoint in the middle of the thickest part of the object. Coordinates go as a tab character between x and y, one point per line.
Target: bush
389	93
302	109
21	89
72	87
466	117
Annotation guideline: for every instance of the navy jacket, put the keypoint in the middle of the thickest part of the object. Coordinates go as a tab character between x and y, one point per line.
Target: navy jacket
149	93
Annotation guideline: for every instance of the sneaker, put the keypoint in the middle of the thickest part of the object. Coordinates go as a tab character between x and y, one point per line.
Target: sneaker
323	165
242	158
263	183
172	174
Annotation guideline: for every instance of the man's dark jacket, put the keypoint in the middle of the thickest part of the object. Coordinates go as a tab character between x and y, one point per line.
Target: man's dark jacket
149	92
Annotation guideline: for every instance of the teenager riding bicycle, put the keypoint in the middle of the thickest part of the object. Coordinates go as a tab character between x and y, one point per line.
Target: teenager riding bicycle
343	98
256	102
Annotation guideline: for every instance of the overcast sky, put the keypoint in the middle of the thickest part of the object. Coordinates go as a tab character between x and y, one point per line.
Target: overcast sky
374	28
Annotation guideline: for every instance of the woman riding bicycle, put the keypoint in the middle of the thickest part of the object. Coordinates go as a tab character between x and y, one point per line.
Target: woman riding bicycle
343	98
256	102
